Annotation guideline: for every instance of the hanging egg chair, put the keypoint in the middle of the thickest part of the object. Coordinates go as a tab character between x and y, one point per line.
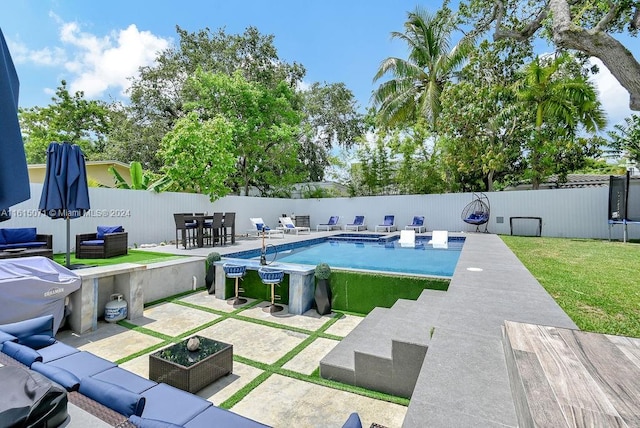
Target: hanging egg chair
477	211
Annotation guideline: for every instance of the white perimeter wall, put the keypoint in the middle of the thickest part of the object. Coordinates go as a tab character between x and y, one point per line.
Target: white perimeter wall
148	217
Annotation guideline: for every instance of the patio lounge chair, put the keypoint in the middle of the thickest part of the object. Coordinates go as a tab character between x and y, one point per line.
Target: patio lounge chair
289	226
388	225
439	239
417	223
358	223
331	224
407	238
259	227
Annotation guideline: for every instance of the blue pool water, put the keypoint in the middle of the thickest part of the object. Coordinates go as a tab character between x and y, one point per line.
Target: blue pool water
370	253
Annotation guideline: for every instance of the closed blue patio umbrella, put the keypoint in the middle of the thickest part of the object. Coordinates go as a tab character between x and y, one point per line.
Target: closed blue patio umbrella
65	192
14	176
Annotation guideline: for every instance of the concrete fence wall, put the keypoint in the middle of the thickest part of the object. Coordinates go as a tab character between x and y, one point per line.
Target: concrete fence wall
148	216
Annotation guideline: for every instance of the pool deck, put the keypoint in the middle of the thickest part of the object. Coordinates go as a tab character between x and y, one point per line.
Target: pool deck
464	378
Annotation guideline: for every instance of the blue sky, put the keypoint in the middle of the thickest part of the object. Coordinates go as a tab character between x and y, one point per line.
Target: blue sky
96	46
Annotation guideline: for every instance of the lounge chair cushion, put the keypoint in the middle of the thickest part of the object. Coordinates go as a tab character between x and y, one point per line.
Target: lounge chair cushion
22	353
113	396
103	230
151	423
17	235
60	376
37	341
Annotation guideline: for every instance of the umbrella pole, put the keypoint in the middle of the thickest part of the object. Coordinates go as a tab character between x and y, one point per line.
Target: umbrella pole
68	243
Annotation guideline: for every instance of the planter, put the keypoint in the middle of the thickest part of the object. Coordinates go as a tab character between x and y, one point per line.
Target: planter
322	297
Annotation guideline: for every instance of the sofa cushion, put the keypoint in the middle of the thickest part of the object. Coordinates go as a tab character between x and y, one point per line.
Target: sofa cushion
82	364
93	242
4	337
55	351
60	376
170	404
22	234
215	416
33	244
37	341
103	230
113	396
22	353
151	423
35	326
126	379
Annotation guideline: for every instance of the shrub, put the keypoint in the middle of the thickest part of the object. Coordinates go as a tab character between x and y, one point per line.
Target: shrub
323	271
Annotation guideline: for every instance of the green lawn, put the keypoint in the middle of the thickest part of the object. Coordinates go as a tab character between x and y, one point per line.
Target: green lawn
595	282
134	256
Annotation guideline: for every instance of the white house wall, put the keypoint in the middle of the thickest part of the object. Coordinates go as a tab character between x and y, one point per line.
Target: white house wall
148	216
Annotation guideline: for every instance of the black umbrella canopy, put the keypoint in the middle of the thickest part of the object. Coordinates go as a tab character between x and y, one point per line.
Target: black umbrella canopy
14	176
65	192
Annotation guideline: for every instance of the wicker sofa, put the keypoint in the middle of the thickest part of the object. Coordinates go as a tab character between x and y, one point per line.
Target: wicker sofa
140	401
25	237
108	241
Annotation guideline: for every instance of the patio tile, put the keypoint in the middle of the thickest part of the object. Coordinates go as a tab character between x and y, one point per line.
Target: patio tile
254	341
310	320
344	325
309	358
226	386
109	341
172	319
311	405
139	365
210	301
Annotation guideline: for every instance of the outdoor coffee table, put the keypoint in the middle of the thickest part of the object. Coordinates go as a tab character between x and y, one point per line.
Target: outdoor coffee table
191	371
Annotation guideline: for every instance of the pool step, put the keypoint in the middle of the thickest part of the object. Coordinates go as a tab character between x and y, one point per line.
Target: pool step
385	351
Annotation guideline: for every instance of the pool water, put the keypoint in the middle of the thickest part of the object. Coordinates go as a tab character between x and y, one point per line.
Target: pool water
376	255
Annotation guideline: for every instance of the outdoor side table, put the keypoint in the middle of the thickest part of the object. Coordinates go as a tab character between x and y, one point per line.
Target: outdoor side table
191	371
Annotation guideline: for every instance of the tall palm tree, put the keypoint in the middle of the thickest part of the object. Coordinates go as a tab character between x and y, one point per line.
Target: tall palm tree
561	101
414	89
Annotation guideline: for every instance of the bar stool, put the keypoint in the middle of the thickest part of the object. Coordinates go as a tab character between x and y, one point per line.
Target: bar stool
237	272
272	277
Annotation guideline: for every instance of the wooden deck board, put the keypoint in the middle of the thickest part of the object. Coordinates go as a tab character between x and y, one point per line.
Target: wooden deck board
574	378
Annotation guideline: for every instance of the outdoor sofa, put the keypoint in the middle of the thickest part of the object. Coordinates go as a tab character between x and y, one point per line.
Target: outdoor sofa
143	402
24	237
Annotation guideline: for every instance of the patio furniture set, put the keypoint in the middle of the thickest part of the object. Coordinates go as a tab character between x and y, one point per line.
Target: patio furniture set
201	229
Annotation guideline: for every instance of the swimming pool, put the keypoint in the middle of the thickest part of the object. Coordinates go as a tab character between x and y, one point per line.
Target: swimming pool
368	252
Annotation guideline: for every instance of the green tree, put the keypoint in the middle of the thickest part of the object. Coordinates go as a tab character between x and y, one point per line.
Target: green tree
625	139
414	89
561	100
330	120
264	126
198	154
140	179
69	118
585	26
482	126
157	93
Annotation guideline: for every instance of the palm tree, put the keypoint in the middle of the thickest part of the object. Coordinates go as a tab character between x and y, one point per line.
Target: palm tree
561	101
414	90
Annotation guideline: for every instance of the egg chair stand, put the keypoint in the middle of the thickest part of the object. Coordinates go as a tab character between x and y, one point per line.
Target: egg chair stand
477	212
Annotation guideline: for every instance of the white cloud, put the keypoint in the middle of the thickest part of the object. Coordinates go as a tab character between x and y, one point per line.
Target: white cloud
99	64
614	98
304	86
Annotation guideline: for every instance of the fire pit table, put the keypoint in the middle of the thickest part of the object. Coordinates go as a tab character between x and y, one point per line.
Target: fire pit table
191	370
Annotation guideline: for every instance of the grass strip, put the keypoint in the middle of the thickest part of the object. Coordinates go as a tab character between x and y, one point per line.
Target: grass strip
593	281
